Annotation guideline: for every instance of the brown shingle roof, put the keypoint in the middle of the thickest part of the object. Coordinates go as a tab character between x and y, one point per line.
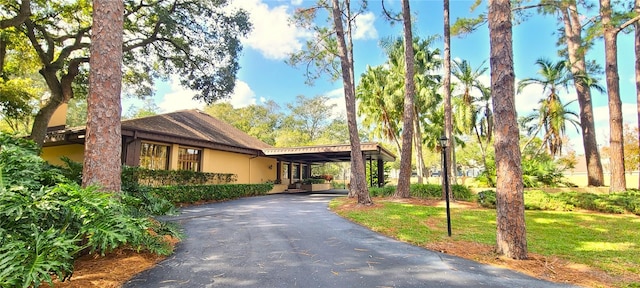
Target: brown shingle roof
196	125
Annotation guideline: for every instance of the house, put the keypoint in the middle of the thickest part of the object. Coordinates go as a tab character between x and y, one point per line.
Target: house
194	140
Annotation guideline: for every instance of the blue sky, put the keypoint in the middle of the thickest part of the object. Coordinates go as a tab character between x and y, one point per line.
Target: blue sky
264	75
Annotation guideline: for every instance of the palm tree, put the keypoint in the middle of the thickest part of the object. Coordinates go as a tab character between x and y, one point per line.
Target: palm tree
381	92
469	81
377	104
551	115
483	122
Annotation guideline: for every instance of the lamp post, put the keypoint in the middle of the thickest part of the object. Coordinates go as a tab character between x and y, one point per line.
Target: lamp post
445	173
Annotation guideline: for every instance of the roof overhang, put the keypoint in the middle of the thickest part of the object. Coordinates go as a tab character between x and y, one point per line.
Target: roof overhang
329	153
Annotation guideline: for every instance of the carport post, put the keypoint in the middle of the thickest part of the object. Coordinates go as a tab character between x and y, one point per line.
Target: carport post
380	173
370	172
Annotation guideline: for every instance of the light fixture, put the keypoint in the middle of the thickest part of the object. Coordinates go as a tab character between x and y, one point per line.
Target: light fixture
443	141
445	179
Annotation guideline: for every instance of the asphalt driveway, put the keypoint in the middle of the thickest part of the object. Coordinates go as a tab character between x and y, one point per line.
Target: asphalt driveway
293	240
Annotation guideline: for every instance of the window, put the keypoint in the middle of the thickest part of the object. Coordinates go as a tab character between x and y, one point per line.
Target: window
285	170
296	171
189	159
154	156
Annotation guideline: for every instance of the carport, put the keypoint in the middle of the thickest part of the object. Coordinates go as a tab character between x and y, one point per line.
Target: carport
310	155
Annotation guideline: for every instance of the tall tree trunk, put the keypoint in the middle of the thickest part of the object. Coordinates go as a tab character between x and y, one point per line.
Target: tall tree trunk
417	133
103	142
3	52
511	231
446	85
616	144
576	52
637	46
404	179
358	176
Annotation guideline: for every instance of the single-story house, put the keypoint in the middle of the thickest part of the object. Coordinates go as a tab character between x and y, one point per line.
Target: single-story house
194	140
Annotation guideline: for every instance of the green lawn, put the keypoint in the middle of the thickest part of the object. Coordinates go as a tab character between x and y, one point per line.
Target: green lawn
607	242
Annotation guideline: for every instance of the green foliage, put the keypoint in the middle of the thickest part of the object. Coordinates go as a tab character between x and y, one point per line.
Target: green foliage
143	202
314	181
540	200
195	193
461	192
55	223
487	198
425	191
71	170
386	191
537	171
47	220
616	203
28	260
628	201
21	165
133	177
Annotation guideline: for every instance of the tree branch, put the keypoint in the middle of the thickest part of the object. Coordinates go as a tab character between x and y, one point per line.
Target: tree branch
388	15
66	51
23	15
627	24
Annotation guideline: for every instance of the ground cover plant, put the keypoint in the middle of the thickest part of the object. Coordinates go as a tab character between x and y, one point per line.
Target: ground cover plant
48	220
616	203
580	247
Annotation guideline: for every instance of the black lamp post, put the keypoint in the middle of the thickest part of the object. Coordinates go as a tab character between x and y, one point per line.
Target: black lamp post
445	173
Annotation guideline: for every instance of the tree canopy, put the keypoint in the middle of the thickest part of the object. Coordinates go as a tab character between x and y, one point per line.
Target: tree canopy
197	40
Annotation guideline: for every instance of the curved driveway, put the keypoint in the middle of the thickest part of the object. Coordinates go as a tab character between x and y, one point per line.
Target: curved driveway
293	240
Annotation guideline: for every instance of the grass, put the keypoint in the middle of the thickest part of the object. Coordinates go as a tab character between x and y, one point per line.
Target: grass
610	243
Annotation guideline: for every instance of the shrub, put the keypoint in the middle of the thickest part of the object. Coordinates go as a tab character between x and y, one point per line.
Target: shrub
46	228
461	192
426	191
195	193
608	203
309	181
21	165
385	191
46	220
487	198
540	200
135	176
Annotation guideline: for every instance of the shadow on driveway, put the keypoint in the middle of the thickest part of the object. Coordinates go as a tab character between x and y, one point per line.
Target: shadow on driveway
293	240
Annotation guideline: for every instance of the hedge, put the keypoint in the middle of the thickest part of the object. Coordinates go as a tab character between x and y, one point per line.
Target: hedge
425	191
157	178
616	203
219	192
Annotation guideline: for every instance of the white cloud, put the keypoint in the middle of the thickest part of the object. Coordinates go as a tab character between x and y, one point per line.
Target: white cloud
364	28
336	97
296	2
272	35
179	98
242	95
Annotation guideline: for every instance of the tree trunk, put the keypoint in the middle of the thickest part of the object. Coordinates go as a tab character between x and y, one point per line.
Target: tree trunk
358	176
446	84
576	52
616	144
511	231
3	52
404	179
637	46
103	141
418	143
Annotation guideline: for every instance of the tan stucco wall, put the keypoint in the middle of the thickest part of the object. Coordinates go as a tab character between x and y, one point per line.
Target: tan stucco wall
52	155
250	169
